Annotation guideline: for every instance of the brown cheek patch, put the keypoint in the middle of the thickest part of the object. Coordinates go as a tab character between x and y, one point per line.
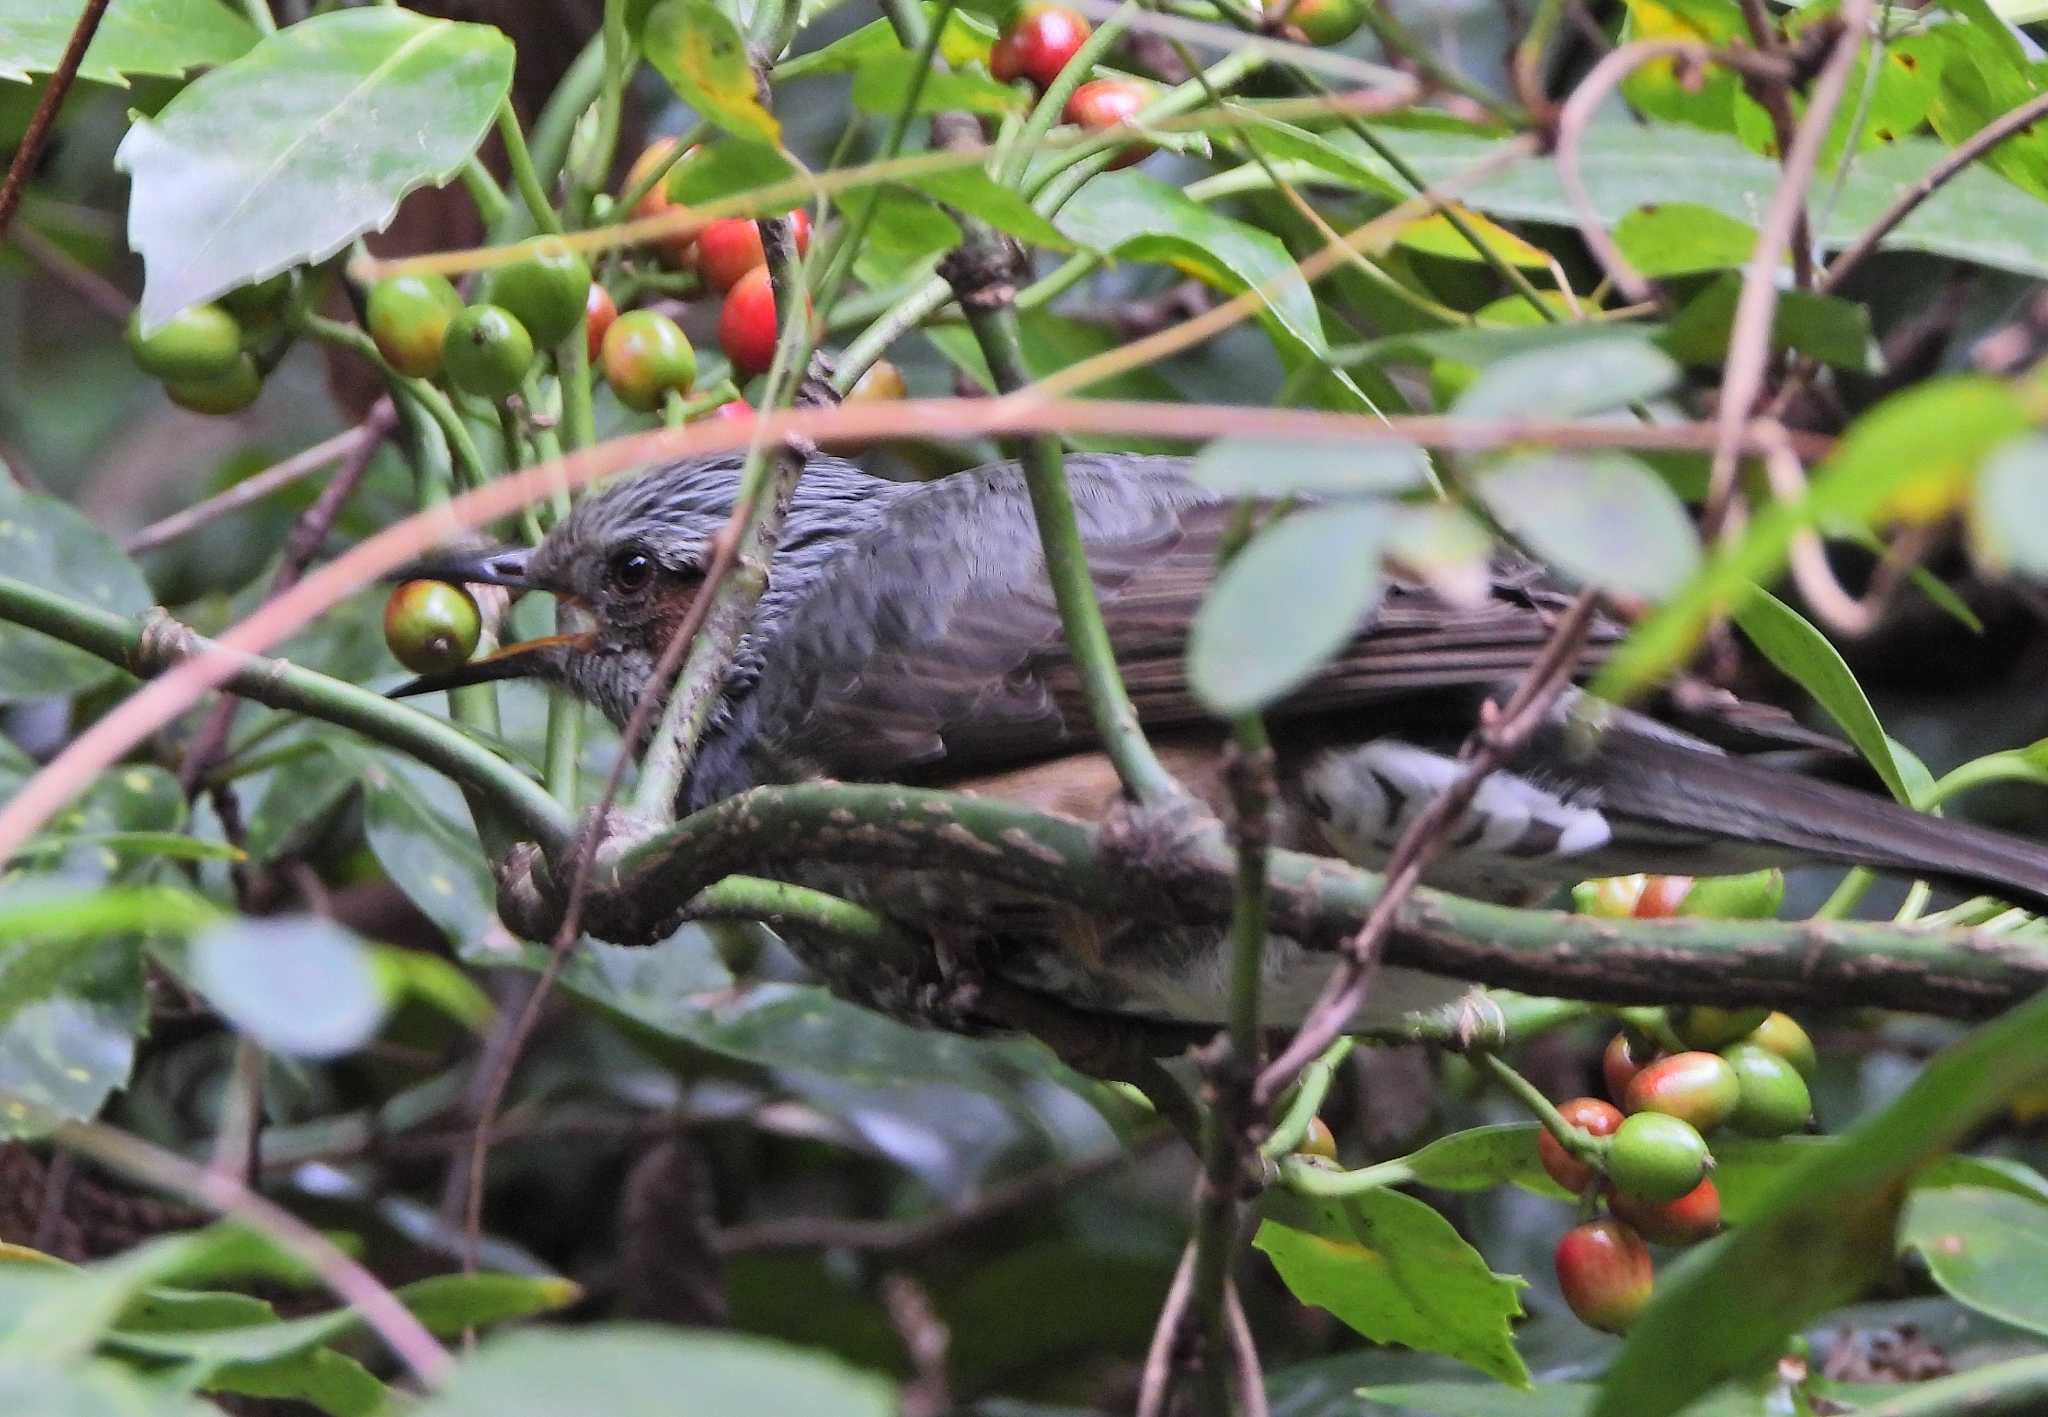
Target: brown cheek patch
671	608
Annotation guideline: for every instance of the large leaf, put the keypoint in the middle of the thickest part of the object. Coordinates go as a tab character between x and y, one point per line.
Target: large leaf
1803	653
702	53
1824	327
1988	1249
630	1370
1604	519
1683	238
1395	1270
1569	381
44	541
1727	1308
303	144
419	831
297	984
2009	513
1274	467
154	37
1286	603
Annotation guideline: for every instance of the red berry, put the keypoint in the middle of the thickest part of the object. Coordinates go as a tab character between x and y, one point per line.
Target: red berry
1693	1217
746	324
1102	104
1700	1088
673	248
1588	1114
1604	1269
1625	1057
1037	45
1661	897
730	247
1320	1141
599	311
737	411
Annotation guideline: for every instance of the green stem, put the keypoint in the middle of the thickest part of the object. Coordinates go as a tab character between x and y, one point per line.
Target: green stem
630	196
1066	563
1579	1143
558	117
145	648
1395	39
611	99
1292	1128
524	175
1308	1177
469	462
485	192
1052	104
259	15
778	904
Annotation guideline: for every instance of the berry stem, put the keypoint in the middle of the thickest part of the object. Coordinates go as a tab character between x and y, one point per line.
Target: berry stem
1581	1144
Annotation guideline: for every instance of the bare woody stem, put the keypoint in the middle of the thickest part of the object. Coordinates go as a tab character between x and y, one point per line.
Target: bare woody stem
154	644
982	275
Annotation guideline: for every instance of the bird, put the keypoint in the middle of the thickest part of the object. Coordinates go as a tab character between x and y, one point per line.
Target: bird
908	633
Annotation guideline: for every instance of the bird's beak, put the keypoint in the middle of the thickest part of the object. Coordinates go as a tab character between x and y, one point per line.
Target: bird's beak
499	566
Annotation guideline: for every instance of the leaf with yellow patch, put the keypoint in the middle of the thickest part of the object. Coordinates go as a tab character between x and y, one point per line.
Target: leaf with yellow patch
703	55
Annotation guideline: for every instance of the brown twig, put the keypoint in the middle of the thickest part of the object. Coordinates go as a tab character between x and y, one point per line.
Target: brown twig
80	279
1492	745
1825	595
1155	1382
274	478
1749	339
1775	95
45	116
1947	170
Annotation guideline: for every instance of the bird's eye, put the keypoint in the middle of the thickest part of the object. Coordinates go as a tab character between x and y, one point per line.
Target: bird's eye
630	572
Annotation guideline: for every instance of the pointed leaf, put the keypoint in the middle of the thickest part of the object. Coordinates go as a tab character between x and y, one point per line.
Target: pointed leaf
1988	1249
1803	653
1683	238
703	55
303	144
1569	381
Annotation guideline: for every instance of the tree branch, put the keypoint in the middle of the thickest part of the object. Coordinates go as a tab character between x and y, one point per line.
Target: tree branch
30	150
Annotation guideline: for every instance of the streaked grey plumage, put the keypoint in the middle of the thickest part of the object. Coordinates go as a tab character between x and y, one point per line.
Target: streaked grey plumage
908	633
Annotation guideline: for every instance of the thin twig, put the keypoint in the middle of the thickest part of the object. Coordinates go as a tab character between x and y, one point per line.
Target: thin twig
1244	1352
74	275
40	122
1492	745
1749	338
1842	612
1155	1381
1775	95
254	489
1947	170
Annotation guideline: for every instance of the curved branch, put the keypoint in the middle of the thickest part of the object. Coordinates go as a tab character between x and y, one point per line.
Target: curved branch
1176	866
155	643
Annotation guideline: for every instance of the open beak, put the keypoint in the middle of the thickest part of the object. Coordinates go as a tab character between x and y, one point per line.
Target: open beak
499	566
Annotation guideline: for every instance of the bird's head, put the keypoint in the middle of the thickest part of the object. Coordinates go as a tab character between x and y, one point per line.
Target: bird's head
628	562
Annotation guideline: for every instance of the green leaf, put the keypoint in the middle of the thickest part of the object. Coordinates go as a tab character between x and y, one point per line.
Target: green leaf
1803	654
436	982
1488	345
1479	1157
1284	604
1451	1399
170	846
358	108
1727	1308
53	914
1396	1272
297	984
1139	218
1824	327
152	37
1276	467
1747	1169
56	1312
449	1303
628	1368
46	1387
2009	508
1912	455
1988	1249
965	40
1683	238
883	85
703	55
71	1005
332	1382
1603	519
726	169
1568	381
49	543
977	194
419	831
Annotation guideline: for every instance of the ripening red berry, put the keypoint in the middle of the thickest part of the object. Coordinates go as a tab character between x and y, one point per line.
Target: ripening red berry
1588	1114
673	248
731	246
1102	104
883	383
599	311
1320	1141
431	626
1038	44
408	317
736	411
1699	1088
1625	1056
645	356
1693	1217
1319	22
1661	897
1782	1034
1605	1271
746	323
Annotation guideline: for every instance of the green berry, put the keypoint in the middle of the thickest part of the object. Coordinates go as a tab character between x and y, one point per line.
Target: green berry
1782	1034
487	352
409	317
1656	1158
645	355
1704	1026
545	292
223	393
259	302
431	626
1774	1099
199	342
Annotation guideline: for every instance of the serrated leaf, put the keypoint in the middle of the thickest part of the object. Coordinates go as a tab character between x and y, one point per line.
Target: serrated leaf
357	108
1726	1309
1988	1249
147	37
703	55
1568	381
1683	238
1275	467
2009	507
1604	519
301	985
50	544
1284	605
1803	654
1396	1272
629	1368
